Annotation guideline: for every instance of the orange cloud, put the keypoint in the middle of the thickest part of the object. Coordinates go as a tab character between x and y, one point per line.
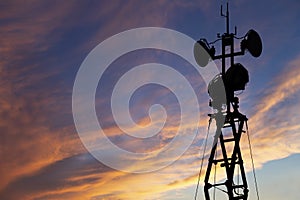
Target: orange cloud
42	160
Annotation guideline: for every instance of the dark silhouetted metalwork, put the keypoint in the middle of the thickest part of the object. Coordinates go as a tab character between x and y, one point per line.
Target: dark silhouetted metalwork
226	109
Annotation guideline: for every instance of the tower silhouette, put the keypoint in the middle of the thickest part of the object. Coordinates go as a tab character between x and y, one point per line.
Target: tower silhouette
226	110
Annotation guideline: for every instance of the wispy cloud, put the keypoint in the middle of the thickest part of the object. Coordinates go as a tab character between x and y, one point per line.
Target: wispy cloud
28	100
41	154
274	128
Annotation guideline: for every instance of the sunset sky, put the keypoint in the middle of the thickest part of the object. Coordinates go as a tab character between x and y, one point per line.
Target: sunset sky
42	46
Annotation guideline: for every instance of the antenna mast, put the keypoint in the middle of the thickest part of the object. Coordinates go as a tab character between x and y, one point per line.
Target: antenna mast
229	121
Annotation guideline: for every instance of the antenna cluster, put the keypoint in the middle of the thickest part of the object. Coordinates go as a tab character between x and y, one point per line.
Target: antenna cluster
236	77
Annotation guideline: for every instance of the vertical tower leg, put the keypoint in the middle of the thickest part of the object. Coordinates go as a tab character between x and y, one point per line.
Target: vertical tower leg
235	161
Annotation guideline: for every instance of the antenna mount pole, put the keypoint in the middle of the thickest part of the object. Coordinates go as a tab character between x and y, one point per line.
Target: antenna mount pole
226	16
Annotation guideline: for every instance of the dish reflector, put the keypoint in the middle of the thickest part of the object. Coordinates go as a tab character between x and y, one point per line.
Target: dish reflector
236	77
252	43
201	53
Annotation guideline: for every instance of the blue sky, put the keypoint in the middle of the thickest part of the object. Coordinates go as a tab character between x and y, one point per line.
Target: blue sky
43	44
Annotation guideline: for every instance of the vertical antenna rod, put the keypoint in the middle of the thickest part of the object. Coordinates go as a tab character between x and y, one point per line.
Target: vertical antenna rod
226	16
